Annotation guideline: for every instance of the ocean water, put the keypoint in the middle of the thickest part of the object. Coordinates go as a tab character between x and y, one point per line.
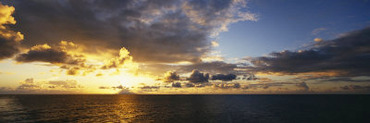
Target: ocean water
185	108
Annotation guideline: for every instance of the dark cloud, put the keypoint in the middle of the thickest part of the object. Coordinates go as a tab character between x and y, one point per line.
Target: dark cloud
303	85
28	84
346	79
8	48
44	53
189	85
171	76
176	84
153	30
224	77
104	87
125	91
349	55
355	87
9	39
119	87
60	55
149	87
197	77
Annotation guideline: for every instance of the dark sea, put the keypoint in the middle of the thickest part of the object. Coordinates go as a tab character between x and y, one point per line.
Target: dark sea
186	108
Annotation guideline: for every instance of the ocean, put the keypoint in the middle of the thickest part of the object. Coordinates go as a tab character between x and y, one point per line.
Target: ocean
186	108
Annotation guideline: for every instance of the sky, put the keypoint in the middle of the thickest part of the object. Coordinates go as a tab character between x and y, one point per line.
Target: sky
185	47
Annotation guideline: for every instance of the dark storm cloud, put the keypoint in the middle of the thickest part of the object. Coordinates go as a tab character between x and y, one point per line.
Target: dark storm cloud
171	76
8	48
223	77
153	30
197	77
9	39
48	55
349	54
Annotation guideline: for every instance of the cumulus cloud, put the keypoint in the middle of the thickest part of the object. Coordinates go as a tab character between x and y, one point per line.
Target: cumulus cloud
346	56
64	54
45	53
124	58
153	31
171	76
198	77
223	77
176	84
9	39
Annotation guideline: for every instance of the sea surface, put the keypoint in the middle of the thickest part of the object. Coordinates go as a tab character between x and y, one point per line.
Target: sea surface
185	108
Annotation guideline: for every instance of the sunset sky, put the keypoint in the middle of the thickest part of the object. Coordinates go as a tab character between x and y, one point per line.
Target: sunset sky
184	46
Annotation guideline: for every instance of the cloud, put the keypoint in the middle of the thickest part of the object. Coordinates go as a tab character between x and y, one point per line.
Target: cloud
30	86
125	91
176	84
303	85
224	77
153	31
215	44
345	56
347	79
318	30
355	87
227	85
317	39
198	77
65	54
9	40
210	67
64	84
45	53
215	67
149	87
171	76
124	58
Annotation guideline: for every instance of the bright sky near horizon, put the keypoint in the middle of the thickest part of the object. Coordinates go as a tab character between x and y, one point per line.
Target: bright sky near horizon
184	46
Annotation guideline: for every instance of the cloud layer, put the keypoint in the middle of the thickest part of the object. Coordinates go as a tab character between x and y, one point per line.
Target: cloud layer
152	30
348	55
